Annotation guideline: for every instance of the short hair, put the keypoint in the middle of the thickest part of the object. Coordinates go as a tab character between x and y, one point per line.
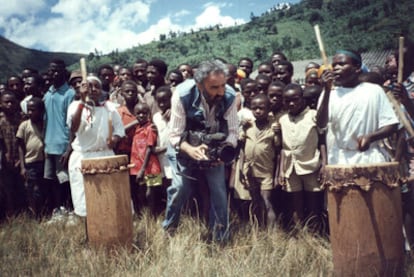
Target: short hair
372	77
244	82
312	91
207	67
160	65
166	89
105	66
140	60
59	62
129	82
263	97
288	64
280	53
246	59
38	103
277	83
293	86
263	77
266	63
38	79
178	72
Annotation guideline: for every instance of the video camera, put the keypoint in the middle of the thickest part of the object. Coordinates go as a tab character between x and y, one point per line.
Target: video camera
218	149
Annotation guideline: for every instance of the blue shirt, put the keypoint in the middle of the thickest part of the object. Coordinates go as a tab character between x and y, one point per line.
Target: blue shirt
57	132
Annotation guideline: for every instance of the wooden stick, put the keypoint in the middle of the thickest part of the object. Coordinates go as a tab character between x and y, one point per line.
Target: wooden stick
321	47
400	60
84	74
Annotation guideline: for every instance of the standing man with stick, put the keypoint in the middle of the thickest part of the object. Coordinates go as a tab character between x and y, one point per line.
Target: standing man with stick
356	115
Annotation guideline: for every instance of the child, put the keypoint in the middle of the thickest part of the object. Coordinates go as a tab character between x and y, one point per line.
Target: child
300	158
12	182
258	166
129	93
311	95
275	95
147	167
163	97
31	154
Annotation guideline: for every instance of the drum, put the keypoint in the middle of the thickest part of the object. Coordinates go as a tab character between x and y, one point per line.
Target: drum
365	219
108	201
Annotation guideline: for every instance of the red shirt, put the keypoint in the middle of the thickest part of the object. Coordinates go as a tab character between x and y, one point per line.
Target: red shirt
144	137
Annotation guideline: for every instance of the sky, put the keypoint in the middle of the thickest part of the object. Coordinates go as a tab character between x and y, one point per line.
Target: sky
81	26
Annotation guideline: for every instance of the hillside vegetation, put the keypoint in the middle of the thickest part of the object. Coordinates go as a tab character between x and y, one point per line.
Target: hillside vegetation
359	24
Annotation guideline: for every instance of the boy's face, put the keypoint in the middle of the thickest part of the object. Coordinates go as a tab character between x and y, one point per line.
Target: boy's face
9	104
249	91
293	101
107	76
76	84
260	109
246	66
140	72
57	74
142	114
262	85
266	70
275	95
186	70
33	113
163	101
153	75
282	74
125	74
130	93
312	79
30	87
174	79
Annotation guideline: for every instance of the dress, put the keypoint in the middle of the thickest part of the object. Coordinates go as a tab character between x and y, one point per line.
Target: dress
163	140
354	112
145	137
90	142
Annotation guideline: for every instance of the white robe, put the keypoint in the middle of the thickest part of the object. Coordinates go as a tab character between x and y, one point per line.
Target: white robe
354	112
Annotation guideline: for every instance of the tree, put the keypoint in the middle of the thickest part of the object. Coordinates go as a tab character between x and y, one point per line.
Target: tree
163	37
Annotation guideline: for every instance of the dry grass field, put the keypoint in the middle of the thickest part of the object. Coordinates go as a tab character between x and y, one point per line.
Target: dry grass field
30	248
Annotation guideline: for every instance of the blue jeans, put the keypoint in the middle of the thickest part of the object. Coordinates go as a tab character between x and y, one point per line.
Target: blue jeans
180	189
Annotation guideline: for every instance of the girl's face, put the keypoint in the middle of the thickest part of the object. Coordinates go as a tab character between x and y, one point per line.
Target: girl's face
294	101
34	112
142	114
163	100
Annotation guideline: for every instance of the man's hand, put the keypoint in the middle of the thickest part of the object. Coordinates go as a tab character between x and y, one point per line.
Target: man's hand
197	153
363	143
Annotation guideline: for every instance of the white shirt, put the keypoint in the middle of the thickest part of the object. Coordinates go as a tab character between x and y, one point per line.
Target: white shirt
354	112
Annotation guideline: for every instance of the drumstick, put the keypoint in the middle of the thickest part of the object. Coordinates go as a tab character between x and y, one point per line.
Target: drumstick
400	60
395	104
84	73
321	47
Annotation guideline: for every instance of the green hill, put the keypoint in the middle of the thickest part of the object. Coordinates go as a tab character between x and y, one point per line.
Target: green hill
13	58
363	25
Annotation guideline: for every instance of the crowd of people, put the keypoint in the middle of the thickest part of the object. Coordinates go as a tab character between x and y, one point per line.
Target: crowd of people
206	131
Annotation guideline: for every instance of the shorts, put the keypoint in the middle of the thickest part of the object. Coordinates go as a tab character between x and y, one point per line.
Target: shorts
54	170
35	171
308	182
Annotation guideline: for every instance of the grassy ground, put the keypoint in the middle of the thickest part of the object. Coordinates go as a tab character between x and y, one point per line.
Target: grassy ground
30	248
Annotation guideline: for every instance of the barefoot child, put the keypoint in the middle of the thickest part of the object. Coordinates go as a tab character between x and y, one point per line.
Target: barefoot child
31	154
300	157
147	167
258	167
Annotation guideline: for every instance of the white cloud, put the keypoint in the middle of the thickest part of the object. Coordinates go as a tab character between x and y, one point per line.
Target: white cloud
21	7
83	25
212	16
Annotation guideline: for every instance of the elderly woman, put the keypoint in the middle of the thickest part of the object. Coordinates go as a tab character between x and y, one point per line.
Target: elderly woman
90	121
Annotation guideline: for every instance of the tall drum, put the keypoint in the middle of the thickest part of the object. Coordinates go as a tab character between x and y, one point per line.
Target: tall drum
108	201
365	219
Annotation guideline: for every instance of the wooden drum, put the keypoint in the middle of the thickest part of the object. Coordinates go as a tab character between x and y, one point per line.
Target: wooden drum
365	219
108	201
